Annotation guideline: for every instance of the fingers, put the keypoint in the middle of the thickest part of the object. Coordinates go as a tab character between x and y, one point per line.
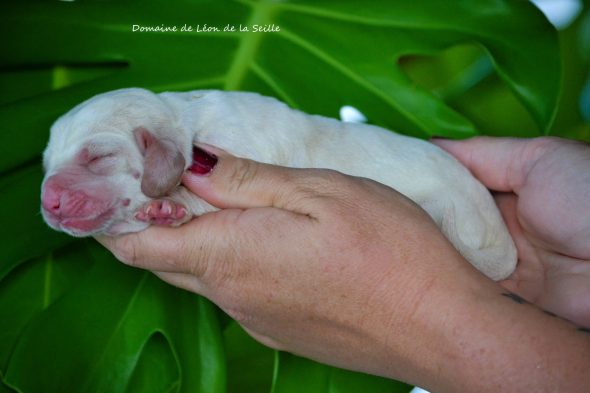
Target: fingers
150	249
243	183
186	249
501	164
508	205
204	244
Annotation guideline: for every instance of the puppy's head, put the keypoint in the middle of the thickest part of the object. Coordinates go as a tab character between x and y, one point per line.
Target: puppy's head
108	156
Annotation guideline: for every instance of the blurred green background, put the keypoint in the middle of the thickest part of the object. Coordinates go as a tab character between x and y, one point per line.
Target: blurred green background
72	319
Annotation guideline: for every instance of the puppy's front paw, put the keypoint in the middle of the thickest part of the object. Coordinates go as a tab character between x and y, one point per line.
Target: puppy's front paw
163	212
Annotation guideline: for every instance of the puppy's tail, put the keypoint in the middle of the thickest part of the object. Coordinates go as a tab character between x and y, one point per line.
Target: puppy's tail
488	246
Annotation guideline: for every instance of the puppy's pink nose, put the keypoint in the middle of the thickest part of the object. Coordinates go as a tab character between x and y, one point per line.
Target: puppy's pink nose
51	198
60	201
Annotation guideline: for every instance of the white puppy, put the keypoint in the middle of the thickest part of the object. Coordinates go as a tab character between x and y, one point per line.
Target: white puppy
118	152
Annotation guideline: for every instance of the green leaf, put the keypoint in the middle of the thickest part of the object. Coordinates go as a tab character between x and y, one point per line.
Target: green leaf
325	55
32	287
23	234
323	379
92	339
156	369
5	389
249	363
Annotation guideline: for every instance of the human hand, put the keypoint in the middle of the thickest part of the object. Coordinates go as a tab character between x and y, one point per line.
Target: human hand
311	261
349	272
543	187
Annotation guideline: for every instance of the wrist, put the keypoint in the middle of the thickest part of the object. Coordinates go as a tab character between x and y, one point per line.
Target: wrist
413	323
469	334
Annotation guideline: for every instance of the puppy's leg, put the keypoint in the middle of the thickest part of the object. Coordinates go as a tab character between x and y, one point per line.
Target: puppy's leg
163	212
176	209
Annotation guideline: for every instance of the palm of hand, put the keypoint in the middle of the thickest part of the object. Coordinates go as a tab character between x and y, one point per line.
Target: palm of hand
548	216
543	186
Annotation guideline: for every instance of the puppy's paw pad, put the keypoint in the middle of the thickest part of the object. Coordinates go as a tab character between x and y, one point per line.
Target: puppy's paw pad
162	212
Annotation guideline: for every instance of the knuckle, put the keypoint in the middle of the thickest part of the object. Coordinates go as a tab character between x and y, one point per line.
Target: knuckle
325	189
527	157
321	181
223	271
126	250
540	146
200	270
178	253
242	173
212	256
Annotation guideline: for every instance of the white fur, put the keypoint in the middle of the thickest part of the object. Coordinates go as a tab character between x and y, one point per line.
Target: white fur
266	130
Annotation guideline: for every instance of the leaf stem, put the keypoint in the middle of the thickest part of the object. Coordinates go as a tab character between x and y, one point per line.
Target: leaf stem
250	41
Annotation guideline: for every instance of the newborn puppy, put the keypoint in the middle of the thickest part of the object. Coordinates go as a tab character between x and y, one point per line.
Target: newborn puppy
113	165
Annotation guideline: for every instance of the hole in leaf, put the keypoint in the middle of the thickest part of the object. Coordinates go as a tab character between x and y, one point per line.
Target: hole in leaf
156	369
561	13
464	77
351	114
449	73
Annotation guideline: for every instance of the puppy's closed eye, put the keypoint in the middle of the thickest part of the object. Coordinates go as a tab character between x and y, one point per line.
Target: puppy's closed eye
102	164
98	162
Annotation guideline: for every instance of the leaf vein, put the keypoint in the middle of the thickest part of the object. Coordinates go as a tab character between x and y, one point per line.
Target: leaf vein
273	84
306	45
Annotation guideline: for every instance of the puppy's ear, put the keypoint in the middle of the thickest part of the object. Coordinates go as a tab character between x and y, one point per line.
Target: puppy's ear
163	163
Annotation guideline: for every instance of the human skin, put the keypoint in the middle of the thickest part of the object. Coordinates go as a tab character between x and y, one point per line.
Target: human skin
351	273
542	190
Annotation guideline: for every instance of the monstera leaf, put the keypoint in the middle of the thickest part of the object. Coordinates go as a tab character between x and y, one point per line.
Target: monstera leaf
97	326
73	319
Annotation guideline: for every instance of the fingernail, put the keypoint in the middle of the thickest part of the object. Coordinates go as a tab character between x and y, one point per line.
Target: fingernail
203	161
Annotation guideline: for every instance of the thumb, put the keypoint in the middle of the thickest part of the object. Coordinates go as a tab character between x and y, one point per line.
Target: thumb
501	164
226	181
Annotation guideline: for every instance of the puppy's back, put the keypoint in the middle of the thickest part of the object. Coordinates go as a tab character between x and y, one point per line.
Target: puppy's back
267	130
